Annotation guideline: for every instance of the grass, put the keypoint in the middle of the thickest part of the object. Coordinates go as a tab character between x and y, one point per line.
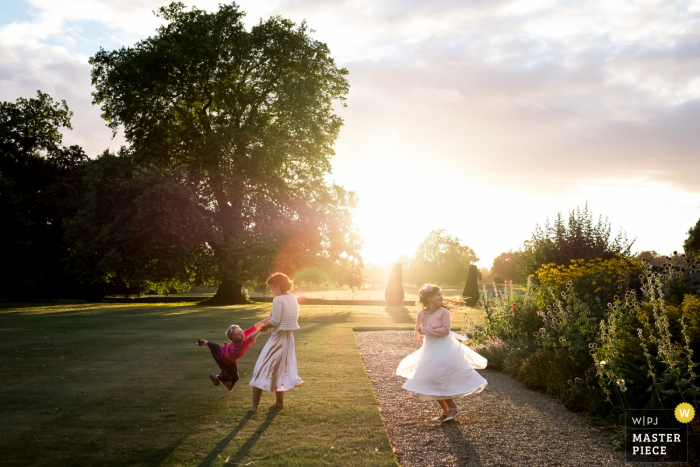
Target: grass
128	385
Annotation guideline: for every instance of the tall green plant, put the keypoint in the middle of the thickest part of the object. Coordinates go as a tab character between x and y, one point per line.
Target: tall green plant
578	237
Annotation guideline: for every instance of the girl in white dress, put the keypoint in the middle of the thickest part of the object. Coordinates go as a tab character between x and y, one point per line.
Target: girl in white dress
442	368
276	368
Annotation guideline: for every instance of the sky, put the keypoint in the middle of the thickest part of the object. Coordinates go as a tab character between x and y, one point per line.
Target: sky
483	118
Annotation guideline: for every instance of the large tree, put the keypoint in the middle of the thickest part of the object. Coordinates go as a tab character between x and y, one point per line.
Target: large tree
248	116
440	258
40	187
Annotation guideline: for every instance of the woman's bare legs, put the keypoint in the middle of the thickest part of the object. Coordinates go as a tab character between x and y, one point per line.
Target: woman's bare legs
256	399
279	401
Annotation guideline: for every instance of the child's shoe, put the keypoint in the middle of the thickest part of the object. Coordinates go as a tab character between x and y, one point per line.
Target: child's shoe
229	385
458	411
201	342
214	379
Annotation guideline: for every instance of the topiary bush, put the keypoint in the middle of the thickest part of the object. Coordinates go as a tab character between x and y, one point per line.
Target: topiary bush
394	289
471	289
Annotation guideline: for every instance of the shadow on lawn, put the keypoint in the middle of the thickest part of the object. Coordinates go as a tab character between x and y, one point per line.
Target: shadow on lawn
398	314
344	317
245	448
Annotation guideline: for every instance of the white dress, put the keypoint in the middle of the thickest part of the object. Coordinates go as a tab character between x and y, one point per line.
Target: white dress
442	368
276	368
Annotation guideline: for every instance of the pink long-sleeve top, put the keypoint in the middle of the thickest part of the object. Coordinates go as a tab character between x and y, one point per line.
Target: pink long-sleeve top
436	324
231	352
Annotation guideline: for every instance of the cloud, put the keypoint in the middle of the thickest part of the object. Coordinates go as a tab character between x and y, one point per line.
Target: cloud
535	98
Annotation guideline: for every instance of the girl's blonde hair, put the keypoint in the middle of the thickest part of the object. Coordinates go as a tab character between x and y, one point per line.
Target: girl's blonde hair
229	331
428	291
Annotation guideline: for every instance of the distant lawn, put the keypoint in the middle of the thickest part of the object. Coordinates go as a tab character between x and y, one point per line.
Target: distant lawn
127	385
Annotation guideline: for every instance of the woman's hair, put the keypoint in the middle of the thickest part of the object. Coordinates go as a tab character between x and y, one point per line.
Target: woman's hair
281	281
229	331
425	293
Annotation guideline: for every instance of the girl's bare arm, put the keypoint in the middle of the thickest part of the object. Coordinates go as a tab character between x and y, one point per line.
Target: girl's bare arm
262	323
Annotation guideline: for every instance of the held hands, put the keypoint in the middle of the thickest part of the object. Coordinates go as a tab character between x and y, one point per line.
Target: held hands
263	325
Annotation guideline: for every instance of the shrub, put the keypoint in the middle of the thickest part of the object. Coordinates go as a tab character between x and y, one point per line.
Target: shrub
510	315
518	352
598	277
634	351
579	238
494	350
691	315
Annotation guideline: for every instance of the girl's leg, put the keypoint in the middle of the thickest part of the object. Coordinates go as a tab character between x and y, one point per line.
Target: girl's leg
279	400
452	412
256	399
440	418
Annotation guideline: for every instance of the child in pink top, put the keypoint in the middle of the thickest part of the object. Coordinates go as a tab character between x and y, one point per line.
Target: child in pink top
227	356
442	369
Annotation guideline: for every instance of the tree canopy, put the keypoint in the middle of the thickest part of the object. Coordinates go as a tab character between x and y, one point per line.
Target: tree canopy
505	267
40	187
440	258
244	122
691	246
579	237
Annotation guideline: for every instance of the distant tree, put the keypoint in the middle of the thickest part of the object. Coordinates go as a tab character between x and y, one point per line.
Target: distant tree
246	120
484	275
40	186
505	266
692	243
442	259
578	238
378	274
652	257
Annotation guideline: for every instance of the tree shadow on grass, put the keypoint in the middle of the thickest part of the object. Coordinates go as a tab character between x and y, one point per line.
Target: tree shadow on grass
246	447
343	317
398	314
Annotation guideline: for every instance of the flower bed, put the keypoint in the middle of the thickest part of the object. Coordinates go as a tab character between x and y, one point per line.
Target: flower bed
601	335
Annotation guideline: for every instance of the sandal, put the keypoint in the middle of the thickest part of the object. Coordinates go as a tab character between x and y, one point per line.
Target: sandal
457	413
214	380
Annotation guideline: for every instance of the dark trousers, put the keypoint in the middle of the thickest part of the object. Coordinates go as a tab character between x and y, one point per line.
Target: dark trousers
229	371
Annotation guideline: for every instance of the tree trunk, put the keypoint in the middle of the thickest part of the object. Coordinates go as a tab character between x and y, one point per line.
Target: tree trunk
228	293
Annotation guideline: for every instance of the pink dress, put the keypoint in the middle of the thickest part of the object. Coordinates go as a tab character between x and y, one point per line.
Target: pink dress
443	368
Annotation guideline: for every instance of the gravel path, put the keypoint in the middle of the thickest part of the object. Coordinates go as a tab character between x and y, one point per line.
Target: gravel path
505	425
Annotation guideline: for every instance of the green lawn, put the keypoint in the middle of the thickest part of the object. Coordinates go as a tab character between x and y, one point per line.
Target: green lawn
118	385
